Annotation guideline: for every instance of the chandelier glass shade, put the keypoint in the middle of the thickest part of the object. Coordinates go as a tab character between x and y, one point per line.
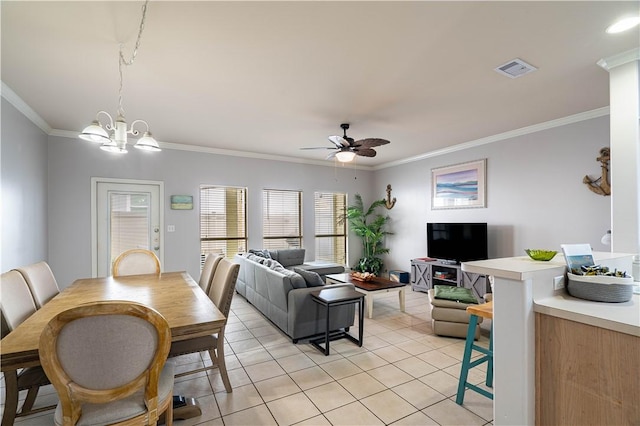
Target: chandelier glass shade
345	156
113	134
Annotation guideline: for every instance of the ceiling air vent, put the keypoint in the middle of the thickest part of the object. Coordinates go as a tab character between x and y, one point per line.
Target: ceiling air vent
515	68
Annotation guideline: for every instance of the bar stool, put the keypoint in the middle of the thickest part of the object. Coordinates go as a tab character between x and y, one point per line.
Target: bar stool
484	310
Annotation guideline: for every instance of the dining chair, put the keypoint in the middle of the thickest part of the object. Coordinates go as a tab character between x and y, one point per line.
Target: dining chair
221	293
106	361
209	268
136	261
16	305
41	282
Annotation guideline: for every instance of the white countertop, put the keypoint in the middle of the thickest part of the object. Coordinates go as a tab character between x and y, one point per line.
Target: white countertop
621	317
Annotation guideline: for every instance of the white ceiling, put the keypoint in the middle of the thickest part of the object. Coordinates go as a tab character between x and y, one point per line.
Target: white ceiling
273	77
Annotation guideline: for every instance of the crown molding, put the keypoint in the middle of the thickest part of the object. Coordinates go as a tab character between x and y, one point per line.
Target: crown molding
588	115
620	59
25	109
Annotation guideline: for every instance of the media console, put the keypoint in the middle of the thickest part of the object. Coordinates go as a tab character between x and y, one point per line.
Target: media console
427	273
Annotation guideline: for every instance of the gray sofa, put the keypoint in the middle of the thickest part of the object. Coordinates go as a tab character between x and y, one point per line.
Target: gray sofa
282	295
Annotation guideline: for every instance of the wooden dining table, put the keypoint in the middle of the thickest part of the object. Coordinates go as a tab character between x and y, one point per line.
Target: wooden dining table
188	310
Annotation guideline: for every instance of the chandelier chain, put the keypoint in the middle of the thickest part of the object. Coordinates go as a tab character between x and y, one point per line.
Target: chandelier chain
122	61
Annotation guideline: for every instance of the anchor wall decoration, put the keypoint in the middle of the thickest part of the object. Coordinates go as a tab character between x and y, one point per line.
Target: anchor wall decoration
600	185
389	203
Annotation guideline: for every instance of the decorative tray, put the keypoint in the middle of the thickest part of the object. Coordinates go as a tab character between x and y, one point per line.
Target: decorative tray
362	276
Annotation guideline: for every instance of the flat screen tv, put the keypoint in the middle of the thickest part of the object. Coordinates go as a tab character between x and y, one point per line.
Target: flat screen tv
457	242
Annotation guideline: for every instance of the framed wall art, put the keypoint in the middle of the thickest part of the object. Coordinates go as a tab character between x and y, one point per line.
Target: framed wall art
181	202
459	186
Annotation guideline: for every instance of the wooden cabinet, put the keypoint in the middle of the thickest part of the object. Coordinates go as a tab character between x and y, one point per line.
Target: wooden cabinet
426	274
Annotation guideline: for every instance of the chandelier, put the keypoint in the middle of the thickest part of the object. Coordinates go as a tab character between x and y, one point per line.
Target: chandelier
116	140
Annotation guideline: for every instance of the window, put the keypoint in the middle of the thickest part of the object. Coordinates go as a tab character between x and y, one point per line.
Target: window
281	219
223	221
331	231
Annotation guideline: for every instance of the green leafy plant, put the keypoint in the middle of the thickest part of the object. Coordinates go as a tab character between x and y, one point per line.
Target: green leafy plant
370	227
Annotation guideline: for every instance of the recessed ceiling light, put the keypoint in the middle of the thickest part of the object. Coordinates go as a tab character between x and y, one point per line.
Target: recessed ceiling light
623	25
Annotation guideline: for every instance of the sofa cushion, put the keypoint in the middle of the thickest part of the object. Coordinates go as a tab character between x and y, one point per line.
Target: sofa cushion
288	257
311	278
322	268
296	279
262	253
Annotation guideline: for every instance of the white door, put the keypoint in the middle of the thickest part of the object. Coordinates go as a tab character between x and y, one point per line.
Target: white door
127	215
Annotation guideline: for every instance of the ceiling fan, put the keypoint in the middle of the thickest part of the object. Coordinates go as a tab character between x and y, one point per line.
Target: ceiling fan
347	148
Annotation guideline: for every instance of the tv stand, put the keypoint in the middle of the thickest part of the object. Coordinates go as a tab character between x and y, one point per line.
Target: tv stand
448	262
425	274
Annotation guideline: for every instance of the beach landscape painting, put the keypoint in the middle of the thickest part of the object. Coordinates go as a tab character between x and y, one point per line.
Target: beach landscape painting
458	186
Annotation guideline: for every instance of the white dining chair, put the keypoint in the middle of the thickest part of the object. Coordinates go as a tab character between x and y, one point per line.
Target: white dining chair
16	305
107	362
41	282
136	262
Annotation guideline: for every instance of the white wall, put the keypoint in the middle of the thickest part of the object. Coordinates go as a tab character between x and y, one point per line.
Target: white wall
72	163
535	194
24	190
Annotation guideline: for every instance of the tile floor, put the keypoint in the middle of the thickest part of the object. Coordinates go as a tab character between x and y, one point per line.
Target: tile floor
403	375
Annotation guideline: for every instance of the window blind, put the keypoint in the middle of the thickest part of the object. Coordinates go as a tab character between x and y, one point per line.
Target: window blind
281	219
330	229
223	220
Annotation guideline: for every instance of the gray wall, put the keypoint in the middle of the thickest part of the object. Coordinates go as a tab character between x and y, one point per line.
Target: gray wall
535	194
23	152
72	163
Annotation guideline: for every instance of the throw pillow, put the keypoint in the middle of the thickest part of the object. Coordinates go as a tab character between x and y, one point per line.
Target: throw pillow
458	294
311	278
296	279
262	253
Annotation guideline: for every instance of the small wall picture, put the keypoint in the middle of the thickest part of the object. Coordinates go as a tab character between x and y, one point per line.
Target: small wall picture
458	186
181	202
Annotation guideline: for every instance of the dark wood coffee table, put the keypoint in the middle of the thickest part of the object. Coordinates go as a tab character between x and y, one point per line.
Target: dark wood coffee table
377	285
329	298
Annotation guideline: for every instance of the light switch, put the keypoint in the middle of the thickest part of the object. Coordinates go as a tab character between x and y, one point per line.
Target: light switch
171	228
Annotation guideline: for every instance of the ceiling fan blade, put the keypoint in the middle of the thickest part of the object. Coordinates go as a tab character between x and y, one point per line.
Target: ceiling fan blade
371	142
330	156
339	141
320	147
365	152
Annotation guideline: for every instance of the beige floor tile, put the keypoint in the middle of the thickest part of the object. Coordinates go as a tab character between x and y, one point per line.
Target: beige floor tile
245	345
259	415
415	366
195	387
292	409
237	377
241	398
310	377
295	362
442	382
231	327
341	368
209	409
273	340
315	421
418	394
263	371
353	414
448	412
438	359
478	404
330	396
255	356
368	360
281	351
416	419
319	357
413	347
266	330
390	375
277	387
362	385
393	337
235	336
388	406
374	342
391	354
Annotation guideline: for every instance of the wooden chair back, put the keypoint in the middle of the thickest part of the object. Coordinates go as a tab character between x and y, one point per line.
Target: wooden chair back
136	262
42	283
105	351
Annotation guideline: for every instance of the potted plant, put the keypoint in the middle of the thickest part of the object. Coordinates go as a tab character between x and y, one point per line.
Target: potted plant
368	225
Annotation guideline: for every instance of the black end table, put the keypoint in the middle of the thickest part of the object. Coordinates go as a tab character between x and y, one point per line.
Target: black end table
336	297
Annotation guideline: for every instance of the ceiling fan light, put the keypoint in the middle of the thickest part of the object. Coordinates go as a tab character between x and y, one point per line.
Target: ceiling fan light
147	143
623	25
345	156
112	146
94	133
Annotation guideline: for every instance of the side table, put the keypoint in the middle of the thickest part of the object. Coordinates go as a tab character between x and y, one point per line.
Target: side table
336	297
